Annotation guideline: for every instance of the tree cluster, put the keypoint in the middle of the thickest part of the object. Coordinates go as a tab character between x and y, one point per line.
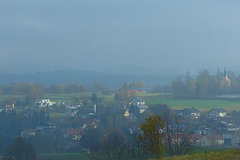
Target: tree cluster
12	123
206	85
20	151
122	94
18	88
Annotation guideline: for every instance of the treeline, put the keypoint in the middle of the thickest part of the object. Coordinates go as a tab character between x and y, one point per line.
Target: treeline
32	92
206	85
18	88
122	94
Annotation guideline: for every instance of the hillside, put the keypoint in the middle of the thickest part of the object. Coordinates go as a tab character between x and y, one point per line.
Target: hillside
233	154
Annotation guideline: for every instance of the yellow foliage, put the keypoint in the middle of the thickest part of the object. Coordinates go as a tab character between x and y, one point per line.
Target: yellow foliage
152	136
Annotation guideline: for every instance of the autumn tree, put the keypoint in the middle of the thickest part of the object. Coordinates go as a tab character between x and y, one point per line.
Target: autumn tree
153	136
122	93
98	87
34	92
178	139
135	85
179	88
75	88
203	81
56	89
91	139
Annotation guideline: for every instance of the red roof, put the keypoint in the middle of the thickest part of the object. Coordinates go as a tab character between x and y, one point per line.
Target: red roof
135	91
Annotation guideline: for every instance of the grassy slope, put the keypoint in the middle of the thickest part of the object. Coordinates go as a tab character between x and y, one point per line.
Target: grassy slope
233	154
67	97
64	156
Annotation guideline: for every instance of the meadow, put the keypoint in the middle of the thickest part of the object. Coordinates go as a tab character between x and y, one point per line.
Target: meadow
155	98
200	104
231	154
150	98
64	156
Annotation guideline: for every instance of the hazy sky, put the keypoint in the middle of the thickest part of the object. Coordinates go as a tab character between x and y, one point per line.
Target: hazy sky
163	35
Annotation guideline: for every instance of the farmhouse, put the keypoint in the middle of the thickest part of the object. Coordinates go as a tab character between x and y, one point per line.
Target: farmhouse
138	102
138	105
41	103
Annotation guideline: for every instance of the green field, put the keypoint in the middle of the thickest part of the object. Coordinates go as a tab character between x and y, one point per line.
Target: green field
67	97
233	154
201	104
150	98
64	156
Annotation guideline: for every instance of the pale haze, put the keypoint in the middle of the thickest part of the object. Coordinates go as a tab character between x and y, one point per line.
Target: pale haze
165	36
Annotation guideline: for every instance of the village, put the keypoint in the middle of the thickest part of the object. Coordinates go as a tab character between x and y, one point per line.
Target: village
213	129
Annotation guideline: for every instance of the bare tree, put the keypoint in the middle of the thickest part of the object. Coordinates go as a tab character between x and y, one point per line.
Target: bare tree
178	139
114	145
136	150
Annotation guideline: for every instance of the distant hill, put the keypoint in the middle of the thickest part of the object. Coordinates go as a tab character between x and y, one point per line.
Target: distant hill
84	77
129	70
139	70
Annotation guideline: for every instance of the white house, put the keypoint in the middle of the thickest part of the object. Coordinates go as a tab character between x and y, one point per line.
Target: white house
138	102
140	105
41	103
